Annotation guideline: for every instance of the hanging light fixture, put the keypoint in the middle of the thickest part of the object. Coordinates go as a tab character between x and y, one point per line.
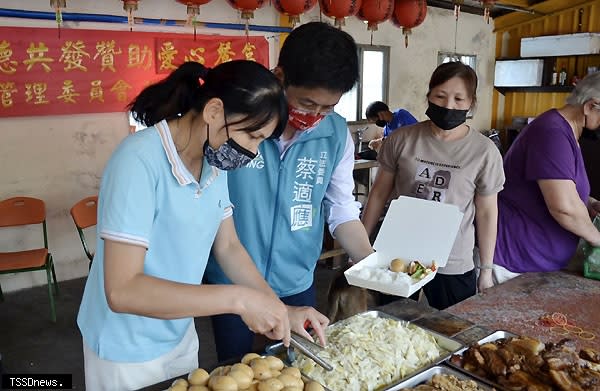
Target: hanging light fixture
130	6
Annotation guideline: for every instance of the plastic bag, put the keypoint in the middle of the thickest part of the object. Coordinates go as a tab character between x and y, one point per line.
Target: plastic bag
591	260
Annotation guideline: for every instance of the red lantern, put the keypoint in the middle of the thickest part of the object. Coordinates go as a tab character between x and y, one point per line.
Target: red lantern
130	6
193	7
193	10
375	12
408	14
487	6
340	9
247	7
294	8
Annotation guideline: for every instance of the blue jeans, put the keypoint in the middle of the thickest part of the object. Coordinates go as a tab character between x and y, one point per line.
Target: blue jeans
233	339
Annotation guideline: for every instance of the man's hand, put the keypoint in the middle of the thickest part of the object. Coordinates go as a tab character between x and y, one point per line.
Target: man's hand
301	316
375	144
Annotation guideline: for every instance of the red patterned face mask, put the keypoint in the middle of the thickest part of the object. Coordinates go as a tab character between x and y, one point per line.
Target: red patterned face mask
303	120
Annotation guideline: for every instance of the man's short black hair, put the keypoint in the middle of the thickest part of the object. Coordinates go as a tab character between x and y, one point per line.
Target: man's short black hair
375	108
318	55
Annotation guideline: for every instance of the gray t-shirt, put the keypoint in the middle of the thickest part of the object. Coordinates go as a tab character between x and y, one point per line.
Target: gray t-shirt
452	172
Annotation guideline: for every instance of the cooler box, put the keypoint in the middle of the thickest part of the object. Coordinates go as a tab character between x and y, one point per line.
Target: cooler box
413	229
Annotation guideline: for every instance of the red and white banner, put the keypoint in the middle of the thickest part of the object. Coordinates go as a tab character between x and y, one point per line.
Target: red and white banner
95	71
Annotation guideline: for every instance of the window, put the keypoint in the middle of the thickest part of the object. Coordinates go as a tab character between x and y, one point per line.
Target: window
467	59
374	63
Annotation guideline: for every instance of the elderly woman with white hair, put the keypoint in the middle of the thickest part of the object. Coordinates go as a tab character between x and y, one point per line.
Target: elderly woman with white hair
545	206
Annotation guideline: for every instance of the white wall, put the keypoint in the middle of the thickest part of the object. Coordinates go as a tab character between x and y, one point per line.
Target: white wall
60	158
411	68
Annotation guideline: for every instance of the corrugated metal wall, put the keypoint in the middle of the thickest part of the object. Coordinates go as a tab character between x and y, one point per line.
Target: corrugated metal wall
562	17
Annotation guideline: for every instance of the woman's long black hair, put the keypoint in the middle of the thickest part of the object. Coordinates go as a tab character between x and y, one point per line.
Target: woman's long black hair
245	87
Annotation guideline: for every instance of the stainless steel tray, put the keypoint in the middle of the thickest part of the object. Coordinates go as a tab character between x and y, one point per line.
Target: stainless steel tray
448	344
496	335
426	375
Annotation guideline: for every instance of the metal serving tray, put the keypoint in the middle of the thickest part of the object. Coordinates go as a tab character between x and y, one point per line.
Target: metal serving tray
448	344
426	375
496	335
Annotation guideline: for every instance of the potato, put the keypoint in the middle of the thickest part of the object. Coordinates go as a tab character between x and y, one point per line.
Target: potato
249	357
259	361
220	371
178	387
275	363
262	373
180	383
261	369
397	265
313	386
292	389
244	368
253	386
198	377
270	385
292	372
275	373
223	383
242	378
198	388
288	380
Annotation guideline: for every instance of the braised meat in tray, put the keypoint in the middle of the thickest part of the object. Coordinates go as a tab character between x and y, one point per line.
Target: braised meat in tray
526	364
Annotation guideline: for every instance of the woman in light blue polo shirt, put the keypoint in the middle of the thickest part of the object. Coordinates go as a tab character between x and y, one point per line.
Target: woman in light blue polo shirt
163	207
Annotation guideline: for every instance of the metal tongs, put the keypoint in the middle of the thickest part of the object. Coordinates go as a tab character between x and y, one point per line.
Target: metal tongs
308	348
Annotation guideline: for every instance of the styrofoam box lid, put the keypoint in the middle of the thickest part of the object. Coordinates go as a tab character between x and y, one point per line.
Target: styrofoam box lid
416	229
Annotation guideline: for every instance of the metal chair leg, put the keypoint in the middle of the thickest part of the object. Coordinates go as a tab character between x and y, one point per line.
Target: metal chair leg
56	291
51	289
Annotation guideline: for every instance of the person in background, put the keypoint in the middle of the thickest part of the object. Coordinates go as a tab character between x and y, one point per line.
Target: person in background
300	181
445	160
545	206
163	206
380	114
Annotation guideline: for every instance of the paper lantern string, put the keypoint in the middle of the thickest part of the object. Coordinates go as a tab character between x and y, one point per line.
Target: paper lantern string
558	324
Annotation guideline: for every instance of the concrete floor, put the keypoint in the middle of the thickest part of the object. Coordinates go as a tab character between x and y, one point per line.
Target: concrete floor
30	343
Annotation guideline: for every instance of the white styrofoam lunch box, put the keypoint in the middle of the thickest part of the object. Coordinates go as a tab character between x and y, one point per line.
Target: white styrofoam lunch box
413	229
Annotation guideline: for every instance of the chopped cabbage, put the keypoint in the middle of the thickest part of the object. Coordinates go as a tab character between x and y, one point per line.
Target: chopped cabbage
368	352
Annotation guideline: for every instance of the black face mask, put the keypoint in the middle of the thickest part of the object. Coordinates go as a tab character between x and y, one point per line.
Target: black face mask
589	134
381	123
445	118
